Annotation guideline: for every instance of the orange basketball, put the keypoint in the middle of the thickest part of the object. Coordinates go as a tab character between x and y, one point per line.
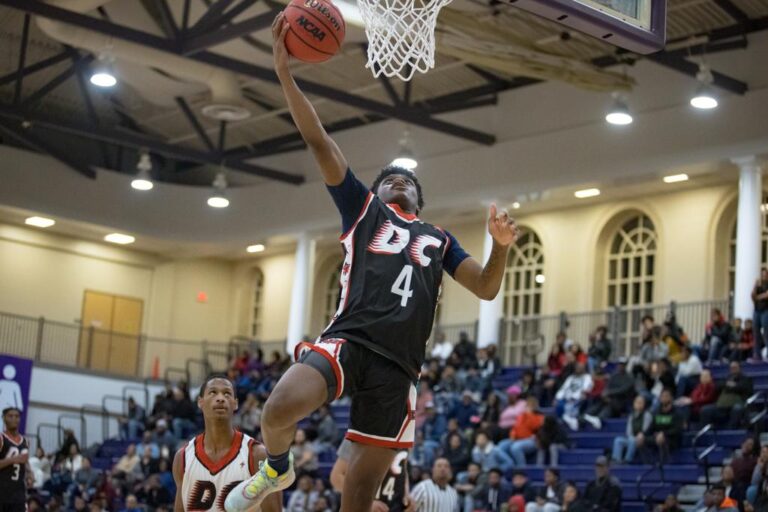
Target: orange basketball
316	30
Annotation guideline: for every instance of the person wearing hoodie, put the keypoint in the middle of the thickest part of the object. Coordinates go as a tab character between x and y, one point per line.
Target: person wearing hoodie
703	394
572	394
688	372
716	337
522	437
515	407
618	392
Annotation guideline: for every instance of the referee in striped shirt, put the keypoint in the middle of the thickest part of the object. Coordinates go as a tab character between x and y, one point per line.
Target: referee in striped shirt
436	495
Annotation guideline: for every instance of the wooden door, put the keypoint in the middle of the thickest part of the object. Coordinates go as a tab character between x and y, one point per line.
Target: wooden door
111	330
126	327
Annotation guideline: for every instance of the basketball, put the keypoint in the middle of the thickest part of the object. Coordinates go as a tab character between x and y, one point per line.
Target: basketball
316	30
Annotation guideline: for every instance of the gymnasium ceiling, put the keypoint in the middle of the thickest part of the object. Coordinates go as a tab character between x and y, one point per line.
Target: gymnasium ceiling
460	113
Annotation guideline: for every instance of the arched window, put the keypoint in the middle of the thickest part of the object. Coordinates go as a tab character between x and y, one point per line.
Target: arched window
332	295
257	306
632	263
524	277
763	245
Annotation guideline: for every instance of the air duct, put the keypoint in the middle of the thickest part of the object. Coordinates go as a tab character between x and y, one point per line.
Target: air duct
227	102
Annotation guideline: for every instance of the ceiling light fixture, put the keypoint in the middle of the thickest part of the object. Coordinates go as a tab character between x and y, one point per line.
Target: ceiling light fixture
119	238
704	99
255	248
516	205
406	158
587	192
39	222
103	74
143	179
619	113
218	199
676	178
540	278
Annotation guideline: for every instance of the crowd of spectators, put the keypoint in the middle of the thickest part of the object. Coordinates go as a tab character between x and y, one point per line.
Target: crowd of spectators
469	434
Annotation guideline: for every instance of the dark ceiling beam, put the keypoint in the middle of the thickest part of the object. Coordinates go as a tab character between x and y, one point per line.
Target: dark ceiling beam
168	24
489	77
22	59
251	70
126	138
211	17
17	130
732	10
34	68
222	137
235	11
390	90
185	17
689	68
195	122
222	35
56	81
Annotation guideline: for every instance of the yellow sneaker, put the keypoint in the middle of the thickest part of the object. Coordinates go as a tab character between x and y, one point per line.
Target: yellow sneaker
251	493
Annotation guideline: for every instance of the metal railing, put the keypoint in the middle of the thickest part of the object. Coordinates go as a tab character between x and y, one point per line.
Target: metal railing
520	336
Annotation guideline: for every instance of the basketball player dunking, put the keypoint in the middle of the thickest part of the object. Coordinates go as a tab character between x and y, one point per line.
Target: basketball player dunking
15	474
209	466
375	344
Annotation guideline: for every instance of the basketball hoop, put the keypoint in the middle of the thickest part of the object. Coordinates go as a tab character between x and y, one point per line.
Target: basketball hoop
401	35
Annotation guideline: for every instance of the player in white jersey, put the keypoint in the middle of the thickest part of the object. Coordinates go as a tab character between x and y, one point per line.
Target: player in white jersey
212	464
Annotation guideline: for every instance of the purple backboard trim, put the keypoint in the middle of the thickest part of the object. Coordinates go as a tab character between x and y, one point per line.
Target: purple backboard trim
599	24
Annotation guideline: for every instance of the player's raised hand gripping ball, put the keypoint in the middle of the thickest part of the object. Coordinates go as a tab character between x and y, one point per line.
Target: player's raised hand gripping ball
316	30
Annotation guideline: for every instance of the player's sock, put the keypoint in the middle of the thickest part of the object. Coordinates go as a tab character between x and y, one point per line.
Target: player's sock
277	464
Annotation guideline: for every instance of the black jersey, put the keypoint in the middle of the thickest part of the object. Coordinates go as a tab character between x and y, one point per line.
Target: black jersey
390	281
13	478
392	490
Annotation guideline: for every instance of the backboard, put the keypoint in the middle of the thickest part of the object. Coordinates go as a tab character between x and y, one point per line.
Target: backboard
636	25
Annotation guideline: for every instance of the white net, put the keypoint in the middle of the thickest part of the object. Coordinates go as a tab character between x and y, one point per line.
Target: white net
401	35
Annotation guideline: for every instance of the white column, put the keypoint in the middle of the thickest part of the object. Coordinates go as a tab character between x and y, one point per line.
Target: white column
298	313
490	311
748	234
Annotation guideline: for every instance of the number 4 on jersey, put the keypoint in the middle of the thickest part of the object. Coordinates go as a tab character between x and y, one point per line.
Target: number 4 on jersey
402	285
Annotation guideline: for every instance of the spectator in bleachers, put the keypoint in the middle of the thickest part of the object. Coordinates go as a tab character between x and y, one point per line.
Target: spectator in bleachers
41	467
760	324
86	480
549	496
600	348
449	381
327	431
131	504
742	344
528	384
550	438
515	407
153	494
456	451
147	463
744	461
522	437
248	416
303	498
433	428
79	504
639	422
465	410
604	492
716	338
688	372
674	337
492	494
74	460
147	441
467	482
162	406
729	407
704	393
715	500
128	467
488	365
757	485
572	394
660	378
578	353
733	489
183	414
491	412
164	438
618	392
572	501
488	455
652	350
423	397
441	347
521	486
670	505
556	358
666	430
132	425
465	350
66	446
304	455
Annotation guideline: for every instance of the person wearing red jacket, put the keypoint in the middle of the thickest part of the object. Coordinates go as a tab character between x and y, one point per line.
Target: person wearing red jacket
704	393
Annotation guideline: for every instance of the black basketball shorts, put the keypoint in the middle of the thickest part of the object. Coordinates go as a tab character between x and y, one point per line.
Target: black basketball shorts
383	396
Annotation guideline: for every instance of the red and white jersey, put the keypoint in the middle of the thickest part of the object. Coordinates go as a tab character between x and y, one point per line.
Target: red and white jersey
207	483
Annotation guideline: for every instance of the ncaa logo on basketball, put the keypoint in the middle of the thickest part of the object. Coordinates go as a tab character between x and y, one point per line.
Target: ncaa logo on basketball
323	9
311	28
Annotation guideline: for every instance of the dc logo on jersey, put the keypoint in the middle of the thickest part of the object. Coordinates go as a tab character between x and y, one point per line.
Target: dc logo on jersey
391	239
203	495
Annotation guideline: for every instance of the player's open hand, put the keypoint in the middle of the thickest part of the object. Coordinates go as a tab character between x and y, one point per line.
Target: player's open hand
502	227
279	51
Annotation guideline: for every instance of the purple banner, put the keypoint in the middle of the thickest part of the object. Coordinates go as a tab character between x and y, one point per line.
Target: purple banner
15	375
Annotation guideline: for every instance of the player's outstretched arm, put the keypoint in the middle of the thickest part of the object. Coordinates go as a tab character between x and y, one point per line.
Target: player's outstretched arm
329	158
178	477
485	281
